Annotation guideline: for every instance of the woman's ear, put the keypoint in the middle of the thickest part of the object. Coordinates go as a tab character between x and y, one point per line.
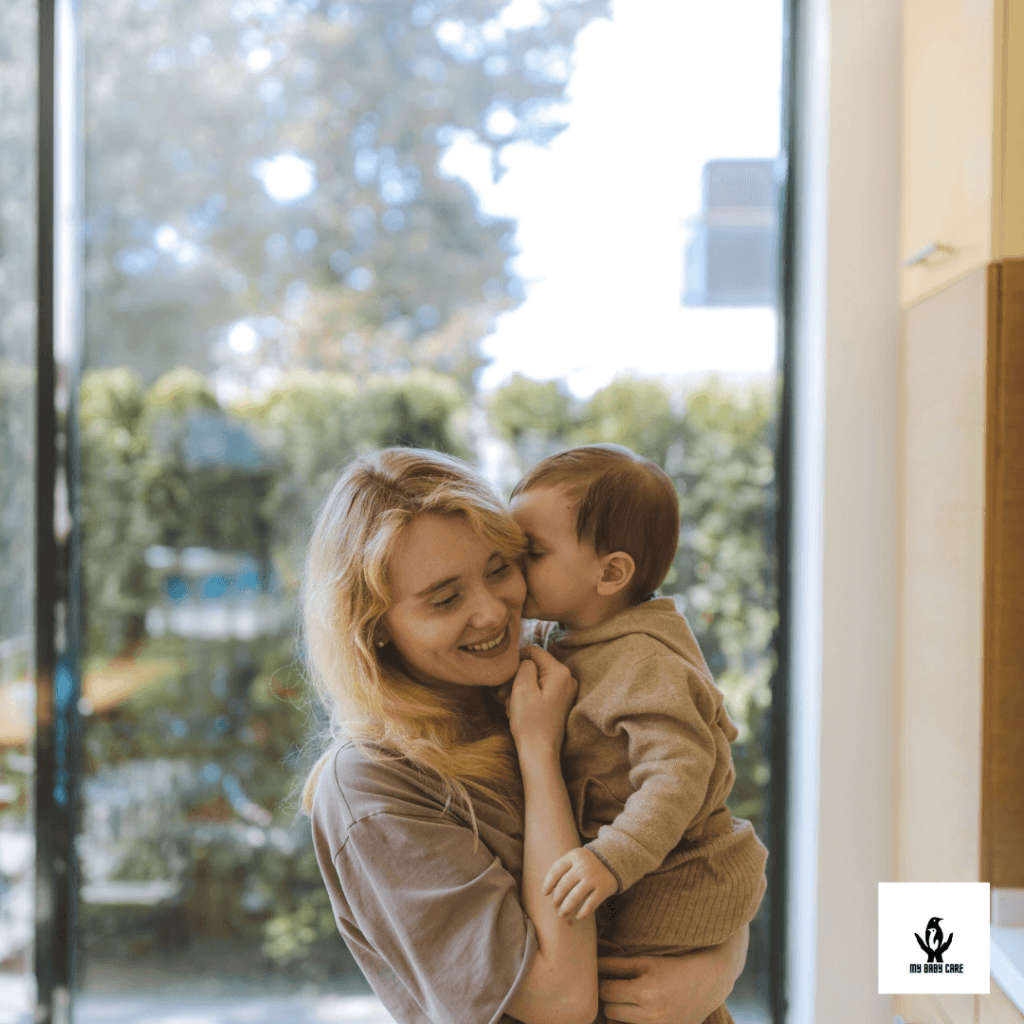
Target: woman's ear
617	574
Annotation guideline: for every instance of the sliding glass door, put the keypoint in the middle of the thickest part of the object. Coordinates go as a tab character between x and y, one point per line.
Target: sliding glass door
309	228
18	112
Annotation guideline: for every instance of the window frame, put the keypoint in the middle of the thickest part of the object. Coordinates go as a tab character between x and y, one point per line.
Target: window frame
58	604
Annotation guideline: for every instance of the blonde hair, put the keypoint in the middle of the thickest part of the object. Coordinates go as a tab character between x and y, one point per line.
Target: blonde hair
345	593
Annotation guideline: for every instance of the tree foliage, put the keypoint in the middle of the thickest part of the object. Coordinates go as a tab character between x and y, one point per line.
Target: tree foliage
17	317
197	114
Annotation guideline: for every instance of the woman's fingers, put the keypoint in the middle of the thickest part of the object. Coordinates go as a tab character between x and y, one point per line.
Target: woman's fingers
618	995
542	694
615	990
548	666
527	671
620	966
553	678
622	1013
617	982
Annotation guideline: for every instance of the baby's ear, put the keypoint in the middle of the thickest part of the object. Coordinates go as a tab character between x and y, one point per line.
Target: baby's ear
617	574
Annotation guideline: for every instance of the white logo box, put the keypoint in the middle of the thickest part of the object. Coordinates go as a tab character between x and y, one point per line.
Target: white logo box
905	908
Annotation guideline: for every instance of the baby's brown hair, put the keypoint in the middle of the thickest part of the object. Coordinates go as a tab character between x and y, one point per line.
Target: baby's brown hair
624	502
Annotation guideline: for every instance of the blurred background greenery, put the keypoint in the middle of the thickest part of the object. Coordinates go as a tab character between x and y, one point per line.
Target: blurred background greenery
227	706
279	274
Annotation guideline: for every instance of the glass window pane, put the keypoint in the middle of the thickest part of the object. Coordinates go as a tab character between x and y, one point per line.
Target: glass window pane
17	500
315	228
647	240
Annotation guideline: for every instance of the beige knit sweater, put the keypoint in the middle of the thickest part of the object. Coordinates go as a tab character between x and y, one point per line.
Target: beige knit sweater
648	768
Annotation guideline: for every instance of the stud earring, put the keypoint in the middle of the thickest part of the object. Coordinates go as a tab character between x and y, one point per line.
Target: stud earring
381	643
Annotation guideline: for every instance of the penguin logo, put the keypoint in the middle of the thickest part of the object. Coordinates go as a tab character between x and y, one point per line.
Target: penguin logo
932	942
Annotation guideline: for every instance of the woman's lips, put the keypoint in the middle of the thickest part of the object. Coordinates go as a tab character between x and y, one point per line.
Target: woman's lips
491	652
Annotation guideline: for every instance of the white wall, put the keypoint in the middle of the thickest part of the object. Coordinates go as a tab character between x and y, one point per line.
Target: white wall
846	551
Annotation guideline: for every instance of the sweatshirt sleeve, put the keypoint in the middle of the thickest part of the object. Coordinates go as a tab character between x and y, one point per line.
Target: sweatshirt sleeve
430	914
672	752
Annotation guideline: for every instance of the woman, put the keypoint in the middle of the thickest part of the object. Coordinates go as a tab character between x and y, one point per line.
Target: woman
436	822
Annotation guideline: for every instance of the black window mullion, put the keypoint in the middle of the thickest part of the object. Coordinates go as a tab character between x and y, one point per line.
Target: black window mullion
777	837
57	553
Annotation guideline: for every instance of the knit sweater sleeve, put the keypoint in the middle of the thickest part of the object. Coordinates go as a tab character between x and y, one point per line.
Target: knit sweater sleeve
663	707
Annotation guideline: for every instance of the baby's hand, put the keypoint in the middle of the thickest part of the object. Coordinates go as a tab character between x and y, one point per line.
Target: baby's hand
579	879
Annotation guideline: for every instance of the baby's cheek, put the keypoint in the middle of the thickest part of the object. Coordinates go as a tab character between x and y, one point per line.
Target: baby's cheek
518	589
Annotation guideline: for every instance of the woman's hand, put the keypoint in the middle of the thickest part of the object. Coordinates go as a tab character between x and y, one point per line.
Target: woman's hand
560	986
543	691
671	989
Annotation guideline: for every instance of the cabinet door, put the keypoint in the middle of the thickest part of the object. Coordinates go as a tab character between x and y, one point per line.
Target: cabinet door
943	581
950	111
1002	821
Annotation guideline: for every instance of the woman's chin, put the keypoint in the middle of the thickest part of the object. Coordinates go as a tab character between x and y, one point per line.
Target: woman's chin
509	665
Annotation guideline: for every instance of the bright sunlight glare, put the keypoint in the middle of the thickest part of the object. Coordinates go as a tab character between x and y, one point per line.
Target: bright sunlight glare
604	211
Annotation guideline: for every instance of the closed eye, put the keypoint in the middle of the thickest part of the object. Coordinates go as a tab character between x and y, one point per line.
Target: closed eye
500	571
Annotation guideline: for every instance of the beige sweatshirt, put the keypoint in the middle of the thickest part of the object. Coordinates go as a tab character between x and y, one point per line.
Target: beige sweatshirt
648	767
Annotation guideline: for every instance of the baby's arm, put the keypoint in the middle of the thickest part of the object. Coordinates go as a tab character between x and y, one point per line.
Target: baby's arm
661	705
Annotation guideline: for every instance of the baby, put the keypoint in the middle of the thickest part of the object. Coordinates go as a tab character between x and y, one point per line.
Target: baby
646	756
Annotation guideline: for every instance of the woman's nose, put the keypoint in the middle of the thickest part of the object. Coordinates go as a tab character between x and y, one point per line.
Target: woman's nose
488	609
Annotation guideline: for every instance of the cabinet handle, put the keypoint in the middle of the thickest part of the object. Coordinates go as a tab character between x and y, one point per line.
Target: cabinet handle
925	254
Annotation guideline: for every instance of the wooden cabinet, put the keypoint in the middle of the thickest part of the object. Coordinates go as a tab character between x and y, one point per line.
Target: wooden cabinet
961	732
961	813
948	138
961	810
963	138
942	627
962	715
1002	803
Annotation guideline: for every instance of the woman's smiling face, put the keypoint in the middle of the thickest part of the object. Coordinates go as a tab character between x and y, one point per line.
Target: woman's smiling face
456	605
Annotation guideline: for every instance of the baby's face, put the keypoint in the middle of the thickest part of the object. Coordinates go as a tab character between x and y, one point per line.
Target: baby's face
561	572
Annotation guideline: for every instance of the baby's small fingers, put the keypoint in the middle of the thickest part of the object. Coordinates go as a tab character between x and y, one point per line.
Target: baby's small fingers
565	885
555	872
590	904
572	901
